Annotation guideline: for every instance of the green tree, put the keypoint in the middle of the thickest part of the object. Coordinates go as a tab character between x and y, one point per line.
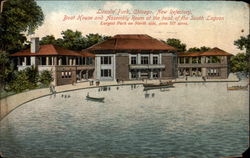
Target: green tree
92	39
6	70
72	40
45	77
20	82
49	39
33	75
244	43
201	49
18	17
177	44
239	63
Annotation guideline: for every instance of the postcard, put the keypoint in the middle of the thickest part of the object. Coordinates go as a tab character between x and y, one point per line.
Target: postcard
158	79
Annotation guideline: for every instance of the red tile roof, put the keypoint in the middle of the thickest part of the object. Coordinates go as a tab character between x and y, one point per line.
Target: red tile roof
87	53
131	42
212	52
216	52
50	49
189	54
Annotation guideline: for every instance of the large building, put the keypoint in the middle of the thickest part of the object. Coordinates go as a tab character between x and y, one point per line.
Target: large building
213	63
132	57
66	66
123	57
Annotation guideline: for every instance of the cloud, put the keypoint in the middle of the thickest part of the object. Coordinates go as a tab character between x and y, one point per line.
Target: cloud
117	5
198	33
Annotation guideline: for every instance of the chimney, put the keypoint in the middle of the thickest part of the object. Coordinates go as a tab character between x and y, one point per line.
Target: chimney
34	48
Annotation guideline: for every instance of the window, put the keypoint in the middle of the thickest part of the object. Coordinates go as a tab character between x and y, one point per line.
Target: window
187	60
213	72
133	74
106	73
155	60
106	60
144	60
133	60
181	60
63	74
155	74
66	74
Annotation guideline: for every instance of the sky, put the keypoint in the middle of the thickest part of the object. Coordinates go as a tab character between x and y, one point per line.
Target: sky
233	23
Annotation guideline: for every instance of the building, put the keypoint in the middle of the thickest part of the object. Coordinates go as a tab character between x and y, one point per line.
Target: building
213	63
123	57
66	66
132	57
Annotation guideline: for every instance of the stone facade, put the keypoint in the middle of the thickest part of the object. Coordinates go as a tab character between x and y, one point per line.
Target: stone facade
170	70
122	66
210	67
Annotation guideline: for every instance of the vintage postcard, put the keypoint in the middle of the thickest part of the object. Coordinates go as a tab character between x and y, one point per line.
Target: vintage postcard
116	79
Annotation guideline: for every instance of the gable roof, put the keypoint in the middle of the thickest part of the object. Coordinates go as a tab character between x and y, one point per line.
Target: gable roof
49	50
216	52
131	42
212	52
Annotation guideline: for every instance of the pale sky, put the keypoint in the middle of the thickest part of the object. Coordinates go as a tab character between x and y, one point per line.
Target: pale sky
221	33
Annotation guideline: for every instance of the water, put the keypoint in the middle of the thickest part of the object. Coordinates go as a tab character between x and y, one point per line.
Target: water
190	120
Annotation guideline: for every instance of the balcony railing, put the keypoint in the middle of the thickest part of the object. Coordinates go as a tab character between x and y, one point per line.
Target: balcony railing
147	66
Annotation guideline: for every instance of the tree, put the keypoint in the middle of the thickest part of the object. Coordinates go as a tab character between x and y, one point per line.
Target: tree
72	40
45	77
177	44
32	74
239	63
201	49
49	39
6	70
18	17
244	43
92	39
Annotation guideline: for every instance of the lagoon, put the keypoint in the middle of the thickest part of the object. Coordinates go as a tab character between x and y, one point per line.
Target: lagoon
190	120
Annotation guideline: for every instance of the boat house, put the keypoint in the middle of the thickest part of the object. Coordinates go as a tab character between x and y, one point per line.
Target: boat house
133	57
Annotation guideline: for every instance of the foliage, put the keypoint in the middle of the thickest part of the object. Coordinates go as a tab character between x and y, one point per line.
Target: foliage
74	40
33	75
18	17
244	43
45	77
24	79
177	44
215	59
239	63
92	39
49	39
201	49
20	82
6	69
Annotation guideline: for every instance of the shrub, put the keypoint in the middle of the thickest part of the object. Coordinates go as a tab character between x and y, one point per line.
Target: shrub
45	77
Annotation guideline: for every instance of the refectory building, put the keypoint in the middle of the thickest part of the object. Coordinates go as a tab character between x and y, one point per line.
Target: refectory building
132	57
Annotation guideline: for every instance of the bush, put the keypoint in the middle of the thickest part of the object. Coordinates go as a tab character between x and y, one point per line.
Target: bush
24	79
45	77
20	82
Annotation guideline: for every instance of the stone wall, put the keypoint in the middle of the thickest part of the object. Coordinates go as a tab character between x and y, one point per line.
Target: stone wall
10	103
168	72
122	67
